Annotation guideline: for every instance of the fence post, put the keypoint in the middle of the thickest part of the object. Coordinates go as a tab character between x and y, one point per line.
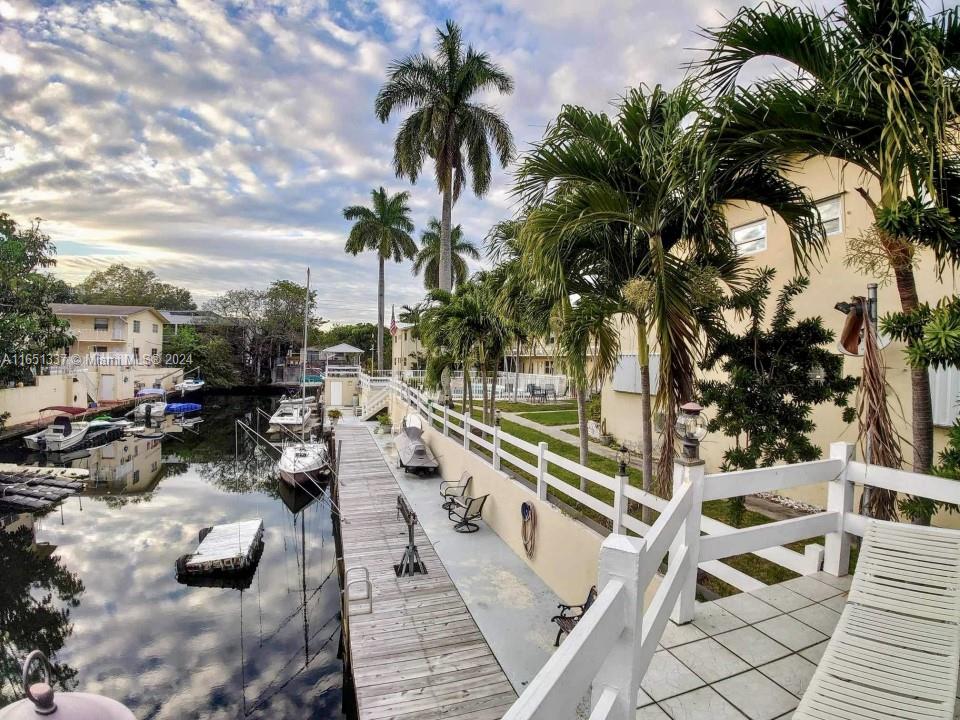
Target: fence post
542	471
446	421
618	677
836	554
466	429
619	503
496	447
688	470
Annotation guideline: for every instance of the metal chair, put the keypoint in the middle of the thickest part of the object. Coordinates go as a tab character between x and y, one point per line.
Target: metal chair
565	622
463	511
450	490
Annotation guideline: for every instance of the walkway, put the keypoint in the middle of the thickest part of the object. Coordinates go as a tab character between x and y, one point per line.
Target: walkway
419	654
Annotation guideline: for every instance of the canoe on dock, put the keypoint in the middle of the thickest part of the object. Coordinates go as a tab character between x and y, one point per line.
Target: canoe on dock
24	487
229	548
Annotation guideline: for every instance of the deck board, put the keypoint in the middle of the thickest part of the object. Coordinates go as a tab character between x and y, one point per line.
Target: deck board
420	653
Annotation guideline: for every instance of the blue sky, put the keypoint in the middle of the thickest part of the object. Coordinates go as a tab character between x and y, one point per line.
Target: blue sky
217	143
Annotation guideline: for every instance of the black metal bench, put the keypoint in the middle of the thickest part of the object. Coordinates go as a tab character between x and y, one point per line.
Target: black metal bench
535	393
450	490
464	510
565	622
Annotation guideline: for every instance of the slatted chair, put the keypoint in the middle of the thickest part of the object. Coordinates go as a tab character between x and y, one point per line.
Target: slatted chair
896	650
450	490
464	510
565	622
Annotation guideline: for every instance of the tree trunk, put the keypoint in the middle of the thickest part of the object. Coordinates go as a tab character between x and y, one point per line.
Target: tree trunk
483	392
467	391
516	373
643	358
919	381
580	395
446	257
380	297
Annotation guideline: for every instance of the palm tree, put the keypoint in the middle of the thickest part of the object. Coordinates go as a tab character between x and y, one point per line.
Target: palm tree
429	256
876	88
446	124
610	200
384	228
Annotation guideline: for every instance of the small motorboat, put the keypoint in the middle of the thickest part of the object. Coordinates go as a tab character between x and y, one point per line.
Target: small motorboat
148	408
292	415
189	385
414	455
305	461
62	434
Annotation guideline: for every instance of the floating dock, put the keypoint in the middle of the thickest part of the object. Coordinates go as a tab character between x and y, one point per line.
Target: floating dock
29	488
414	649
225	548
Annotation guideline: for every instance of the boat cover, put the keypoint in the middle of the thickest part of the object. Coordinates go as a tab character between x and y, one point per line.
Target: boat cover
413	452
182	407
64	408
146	392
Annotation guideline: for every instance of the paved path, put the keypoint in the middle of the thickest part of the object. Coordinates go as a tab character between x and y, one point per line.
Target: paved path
419	655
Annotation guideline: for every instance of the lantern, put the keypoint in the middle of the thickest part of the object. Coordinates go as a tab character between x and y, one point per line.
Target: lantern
623	459
691	428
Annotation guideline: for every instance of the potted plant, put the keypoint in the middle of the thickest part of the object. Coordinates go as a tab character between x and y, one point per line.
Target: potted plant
334	415
383	420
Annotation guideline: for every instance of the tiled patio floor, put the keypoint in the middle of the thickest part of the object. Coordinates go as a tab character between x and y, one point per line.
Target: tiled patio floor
745	656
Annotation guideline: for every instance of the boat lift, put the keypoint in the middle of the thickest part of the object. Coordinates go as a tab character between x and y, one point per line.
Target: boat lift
410	564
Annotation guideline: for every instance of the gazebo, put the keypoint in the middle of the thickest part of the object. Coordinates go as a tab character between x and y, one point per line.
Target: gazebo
341	357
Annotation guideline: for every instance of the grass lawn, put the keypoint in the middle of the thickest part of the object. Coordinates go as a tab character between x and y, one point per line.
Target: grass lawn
552	417
757	567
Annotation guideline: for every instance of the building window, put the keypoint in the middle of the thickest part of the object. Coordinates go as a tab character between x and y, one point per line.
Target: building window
100	348
136	476
831	214
626	374
136	353
101	324
548	367
750	239
136	326
155	329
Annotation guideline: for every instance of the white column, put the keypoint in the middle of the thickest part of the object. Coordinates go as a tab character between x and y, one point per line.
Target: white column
619	503
688	471
466	429
446	421
496	447
836	554
542	471
620	558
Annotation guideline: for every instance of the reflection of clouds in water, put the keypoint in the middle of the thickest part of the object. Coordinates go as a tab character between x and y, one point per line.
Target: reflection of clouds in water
171	651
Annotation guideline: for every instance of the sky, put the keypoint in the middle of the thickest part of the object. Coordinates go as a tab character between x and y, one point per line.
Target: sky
217	143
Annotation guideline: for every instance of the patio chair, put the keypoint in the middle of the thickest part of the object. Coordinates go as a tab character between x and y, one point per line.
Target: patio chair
896	650
565	622
450	490
549	390
464	510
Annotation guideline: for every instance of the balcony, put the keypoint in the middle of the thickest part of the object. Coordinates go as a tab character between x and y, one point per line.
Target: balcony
98	336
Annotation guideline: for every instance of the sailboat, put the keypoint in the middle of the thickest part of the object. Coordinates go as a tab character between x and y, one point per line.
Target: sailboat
305	460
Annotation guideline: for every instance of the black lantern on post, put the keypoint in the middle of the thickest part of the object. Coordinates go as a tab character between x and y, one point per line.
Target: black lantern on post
496	417
623	459
691	428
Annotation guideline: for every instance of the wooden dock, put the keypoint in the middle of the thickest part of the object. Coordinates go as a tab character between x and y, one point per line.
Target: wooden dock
418	655
25	488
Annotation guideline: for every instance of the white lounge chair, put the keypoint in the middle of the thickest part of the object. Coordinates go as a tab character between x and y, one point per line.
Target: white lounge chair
896	650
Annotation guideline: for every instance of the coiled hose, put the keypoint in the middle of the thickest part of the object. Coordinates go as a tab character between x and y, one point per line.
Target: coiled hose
528	528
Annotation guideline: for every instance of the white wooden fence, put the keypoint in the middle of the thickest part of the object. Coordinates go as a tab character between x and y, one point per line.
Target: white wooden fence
609	650
555	386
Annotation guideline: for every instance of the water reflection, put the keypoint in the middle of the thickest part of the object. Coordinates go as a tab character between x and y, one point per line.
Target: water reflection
164	649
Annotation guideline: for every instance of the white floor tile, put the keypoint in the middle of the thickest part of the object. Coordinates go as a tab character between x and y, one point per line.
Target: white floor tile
703	704
667	677
811	588
756	696
843	582
790	632
817	616
748	608
752	645
674	634
782	598
709	659
651	712
713	619
814	653
792	673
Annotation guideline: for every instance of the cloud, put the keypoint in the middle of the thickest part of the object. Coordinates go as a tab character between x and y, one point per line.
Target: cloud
218	143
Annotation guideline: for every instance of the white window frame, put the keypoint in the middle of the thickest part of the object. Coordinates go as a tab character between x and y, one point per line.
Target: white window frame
761	244
101	321
136	326
839	218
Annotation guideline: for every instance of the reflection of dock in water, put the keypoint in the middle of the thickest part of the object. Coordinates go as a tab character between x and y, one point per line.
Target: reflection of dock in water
31	488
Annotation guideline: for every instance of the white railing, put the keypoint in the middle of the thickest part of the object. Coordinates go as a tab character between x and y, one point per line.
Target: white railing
343	371
552	386
609	650
502	448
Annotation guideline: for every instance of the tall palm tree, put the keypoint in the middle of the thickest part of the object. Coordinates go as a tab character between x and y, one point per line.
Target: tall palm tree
613	199
876	87
384	228
430	254
447	124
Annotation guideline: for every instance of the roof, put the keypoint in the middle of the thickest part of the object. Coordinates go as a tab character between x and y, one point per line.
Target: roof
101	310
189	317
342	348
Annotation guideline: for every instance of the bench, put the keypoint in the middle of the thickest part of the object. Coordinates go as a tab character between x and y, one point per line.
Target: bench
450	490
565	622
535	393
464	510
896	650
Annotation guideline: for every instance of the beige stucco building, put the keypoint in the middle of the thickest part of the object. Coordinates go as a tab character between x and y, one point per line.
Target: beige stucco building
845	215
117	350
407	351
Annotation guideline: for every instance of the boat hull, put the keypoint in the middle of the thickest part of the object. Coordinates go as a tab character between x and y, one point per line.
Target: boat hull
303	463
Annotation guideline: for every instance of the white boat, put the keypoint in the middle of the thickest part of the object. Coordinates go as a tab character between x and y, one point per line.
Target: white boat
189	385
150	408
303	461
60	435
292	416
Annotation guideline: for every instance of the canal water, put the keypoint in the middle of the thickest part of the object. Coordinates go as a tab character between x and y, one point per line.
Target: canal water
93	584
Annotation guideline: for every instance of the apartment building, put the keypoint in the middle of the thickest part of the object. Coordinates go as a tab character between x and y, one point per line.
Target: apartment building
407	351
765	240
113	334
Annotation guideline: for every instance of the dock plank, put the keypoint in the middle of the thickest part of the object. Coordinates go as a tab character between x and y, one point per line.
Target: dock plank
419	654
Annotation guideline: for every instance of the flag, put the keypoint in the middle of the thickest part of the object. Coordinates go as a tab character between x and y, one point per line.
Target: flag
393	323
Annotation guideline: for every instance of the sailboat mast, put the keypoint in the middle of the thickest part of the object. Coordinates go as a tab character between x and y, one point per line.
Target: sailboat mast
303	362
